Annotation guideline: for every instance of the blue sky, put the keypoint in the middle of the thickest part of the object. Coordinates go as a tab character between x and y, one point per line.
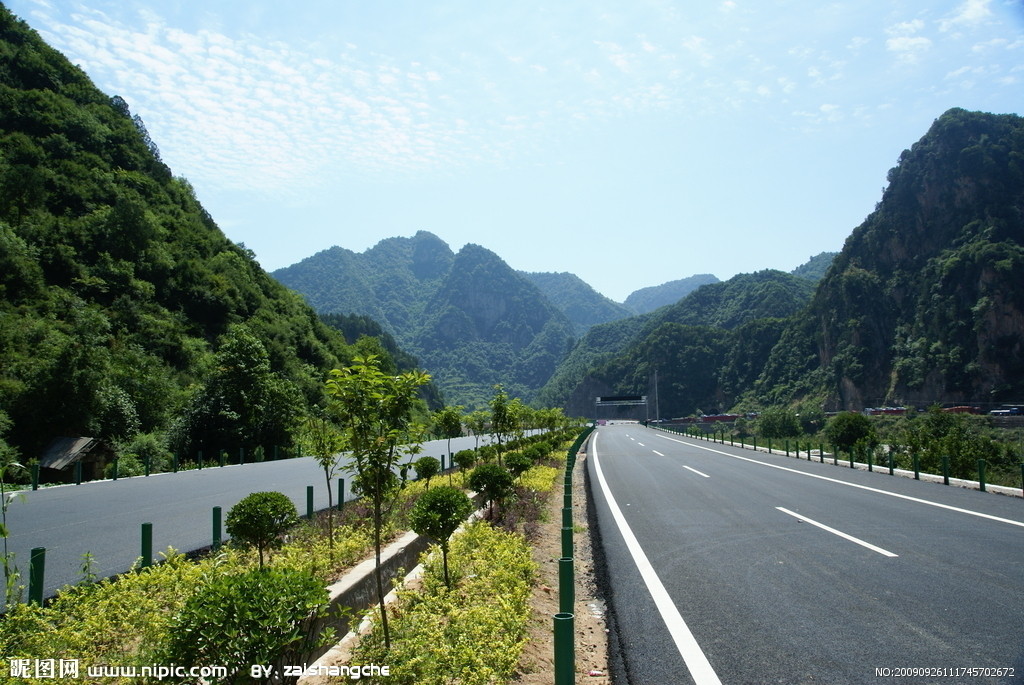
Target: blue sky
631	143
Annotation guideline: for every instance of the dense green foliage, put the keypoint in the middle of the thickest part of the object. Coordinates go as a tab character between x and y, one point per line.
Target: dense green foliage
117	288
254	617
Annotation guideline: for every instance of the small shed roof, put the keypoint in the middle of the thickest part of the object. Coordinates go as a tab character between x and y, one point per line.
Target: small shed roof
64	451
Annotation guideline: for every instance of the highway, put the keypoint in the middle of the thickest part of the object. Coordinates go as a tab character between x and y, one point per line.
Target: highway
104	518
725	565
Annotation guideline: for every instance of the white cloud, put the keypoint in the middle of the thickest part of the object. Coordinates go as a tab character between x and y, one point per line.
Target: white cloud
970	13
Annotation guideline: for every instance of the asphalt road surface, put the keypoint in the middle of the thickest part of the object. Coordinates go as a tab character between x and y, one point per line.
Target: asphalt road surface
105	518
733	566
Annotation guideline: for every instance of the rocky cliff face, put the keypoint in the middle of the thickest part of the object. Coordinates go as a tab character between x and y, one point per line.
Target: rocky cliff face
924	303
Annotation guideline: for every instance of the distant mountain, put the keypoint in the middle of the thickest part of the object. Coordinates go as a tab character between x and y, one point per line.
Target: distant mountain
650	298
470	318
712	312
584	306
814	269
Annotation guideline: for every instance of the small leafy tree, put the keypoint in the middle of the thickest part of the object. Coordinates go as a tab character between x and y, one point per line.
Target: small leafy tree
493	481
322	439
375	410
502	418
260	519
437	514
427	468
448	424
478	422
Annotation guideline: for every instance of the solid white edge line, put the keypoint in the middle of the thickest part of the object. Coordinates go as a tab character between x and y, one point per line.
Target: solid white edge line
694	658
854	485
873	548
690	468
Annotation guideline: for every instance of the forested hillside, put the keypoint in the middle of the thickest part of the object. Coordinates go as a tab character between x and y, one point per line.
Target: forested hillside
124	310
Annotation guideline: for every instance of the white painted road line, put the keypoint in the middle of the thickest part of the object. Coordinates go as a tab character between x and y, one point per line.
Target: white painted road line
658	453
641	444
853	485
693	656
873	548
688	468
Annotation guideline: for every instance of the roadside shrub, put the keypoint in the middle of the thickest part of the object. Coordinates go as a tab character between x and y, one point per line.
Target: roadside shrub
779	422
255	617
260	519
849	429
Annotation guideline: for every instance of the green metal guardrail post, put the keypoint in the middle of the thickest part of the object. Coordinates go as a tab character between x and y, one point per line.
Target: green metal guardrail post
149	464
147	544
35	476
176	462
567	541
892	466
871	461
769	445
821	453
36	573
309	502
222	457
917	466
216	528
78	472
341	494
787	448
565	649
200	460
851	458
566	586
981	475
241	456
945	469
116	461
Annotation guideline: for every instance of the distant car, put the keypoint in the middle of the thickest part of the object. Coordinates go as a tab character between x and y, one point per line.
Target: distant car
1010	411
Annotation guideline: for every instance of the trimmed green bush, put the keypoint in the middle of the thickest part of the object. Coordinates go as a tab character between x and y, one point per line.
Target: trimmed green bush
260	520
